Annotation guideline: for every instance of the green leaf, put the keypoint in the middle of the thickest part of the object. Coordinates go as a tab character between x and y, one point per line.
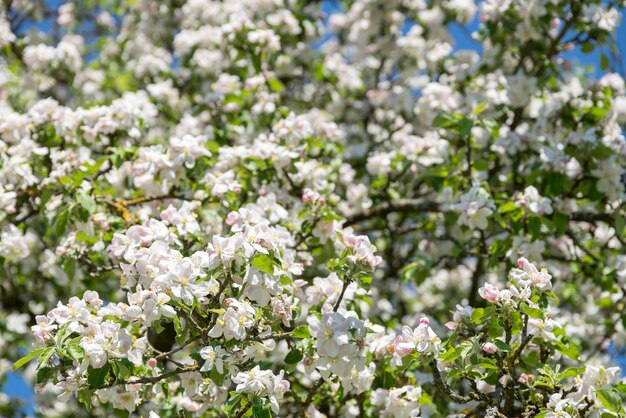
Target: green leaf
478	109
416	272
69	267
216	376
45	374
294	356
568	349
301	332
587	48
61	222
275	84
465	127
502	345
508	207
571	372
28	357
480	315
260	409
452	354
264	263
120	370
530	311
560	221
365	282
604	62
534	225
86	201
85	397
97	377
444	120
76	352
610	399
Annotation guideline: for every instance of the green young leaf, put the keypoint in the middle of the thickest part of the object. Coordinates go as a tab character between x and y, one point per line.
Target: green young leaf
275	84
452	354
567	348
301	332
478	109
508	207
571	372
610	400
530	311
480	315
76	351
86	201
264	263
28	358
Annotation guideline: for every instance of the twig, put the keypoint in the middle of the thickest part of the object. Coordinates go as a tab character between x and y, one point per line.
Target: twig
399	205
155	379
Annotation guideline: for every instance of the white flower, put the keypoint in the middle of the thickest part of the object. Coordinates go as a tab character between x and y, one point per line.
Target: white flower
475	207
331	333
535	202
213	358
222	250
233	324
254	381
157	306
422	339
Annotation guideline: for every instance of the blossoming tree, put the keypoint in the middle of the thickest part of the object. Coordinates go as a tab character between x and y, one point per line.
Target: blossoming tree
259	208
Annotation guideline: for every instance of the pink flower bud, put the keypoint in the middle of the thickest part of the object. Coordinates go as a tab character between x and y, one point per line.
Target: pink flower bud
490	348
424	321
452	325
521	262
152	362
403	345
309	195
524	378
489	292
233	218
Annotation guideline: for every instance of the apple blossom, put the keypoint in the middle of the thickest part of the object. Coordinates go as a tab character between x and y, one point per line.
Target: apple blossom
312	208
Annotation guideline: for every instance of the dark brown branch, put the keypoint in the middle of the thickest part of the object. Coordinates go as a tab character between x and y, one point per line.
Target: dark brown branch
155	379
444	387
400	205
592	217
346	283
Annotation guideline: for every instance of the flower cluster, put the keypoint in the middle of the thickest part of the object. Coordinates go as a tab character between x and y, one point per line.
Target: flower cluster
294	207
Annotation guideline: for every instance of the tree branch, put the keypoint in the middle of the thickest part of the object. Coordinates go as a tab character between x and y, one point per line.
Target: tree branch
400	205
